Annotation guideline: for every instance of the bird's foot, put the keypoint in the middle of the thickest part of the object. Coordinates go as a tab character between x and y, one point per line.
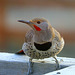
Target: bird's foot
30	68
30	71
57	63
57	67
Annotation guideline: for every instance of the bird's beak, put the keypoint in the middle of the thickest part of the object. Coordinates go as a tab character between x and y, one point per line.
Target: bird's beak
31	24
27	22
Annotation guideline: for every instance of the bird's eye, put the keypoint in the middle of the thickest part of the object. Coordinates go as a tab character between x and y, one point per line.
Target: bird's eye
38	22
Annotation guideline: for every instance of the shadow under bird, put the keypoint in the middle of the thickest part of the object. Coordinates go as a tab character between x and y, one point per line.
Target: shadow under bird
42	41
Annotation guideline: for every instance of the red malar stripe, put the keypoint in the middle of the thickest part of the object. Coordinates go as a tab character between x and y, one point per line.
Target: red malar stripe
37	28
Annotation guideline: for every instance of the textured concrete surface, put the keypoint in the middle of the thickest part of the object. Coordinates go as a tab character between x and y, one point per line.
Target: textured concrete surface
66	71
12	64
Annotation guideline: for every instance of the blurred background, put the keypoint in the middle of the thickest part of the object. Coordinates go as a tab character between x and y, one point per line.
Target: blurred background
60	13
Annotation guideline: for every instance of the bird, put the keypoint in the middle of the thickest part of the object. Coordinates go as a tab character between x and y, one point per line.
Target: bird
41	41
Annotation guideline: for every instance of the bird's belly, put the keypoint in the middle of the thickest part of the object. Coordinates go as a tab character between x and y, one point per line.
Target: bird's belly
31	51
37	54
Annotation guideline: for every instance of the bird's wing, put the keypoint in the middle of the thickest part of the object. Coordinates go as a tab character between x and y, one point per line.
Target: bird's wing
57	35
29	36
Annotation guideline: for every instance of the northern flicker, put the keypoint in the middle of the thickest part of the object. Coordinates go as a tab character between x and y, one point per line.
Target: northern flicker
42	41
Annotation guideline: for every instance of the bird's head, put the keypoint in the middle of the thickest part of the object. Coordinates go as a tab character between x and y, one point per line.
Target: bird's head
43	29
37	24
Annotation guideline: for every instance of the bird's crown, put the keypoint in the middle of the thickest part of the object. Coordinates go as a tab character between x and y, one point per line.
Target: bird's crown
39	20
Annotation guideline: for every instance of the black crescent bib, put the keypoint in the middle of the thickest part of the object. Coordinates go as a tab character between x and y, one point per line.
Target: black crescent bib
43	47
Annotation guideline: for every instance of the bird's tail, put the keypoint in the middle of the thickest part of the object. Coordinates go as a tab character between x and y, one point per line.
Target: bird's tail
20	52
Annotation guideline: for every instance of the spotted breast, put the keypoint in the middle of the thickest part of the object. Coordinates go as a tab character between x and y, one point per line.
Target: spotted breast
41	51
